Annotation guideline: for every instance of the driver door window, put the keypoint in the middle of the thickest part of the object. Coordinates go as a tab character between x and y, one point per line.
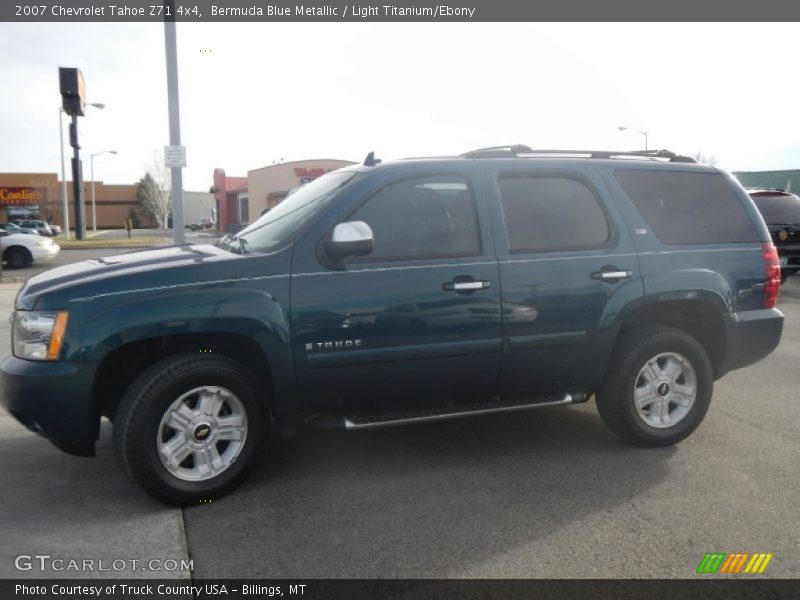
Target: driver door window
431	217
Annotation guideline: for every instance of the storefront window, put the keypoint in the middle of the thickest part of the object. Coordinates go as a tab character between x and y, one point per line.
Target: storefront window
244	210
26	211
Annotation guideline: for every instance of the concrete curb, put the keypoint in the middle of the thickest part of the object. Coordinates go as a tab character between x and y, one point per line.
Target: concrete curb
63	249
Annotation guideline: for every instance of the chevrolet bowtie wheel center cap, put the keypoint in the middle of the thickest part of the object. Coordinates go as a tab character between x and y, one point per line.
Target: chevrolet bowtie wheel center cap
202	431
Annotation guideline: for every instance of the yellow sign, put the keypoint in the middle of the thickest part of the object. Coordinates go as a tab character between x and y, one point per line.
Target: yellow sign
20	195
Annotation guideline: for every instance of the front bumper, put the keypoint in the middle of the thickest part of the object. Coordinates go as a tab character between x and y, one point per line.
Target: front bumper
52	399
750	336
43	253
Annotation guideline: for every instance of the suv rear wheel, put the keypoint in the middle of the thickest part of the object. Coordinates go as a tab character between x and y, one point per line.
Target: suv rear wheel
190	428
659	386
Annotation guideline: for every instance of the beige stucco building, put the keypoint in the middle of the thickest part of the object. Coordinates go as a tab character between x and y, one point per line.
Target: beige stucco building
197	205
241	200
38	196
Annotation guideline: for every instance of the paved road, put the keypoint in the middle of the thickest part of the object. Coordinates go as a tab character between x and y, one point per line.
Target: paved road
548	493
76	508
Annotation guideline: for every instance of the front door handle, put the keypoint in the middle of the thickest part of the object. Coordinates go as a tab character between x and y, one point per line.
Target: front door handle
611	274
465	286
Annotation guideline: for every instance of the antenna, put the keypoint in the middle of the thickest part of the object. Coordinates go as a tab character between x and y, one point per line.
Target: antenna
371	161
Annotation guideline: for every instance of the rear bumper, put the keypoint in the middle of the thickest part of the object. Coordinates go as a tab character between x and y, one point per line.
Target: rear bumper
52	399
789	257
750	336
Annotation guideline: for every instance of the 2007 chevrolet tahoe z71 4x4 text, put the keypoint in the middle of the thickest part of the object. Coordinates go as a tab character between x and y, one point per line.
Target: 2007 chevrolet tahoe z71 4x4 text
500	280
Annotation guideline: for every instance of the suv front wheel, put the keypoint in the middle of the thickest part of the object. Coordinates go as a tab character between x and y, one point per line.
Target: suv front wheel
658	388
190	428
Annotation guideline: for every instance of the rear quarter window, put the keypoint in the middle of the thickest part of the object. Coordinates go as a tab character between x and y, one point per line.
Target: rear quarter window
688	208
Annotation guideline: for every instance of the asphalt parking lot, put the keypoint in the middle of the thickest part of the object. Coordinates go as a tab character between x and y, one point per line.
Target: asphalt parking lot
548	493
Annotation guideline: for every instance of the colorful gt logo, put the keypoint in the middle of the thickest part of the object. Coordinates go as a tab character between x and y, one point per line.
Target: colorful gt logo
719	562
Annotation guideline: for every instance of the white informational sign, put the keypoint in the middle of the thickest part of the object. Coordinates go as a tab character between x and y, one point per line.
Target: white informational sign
174	156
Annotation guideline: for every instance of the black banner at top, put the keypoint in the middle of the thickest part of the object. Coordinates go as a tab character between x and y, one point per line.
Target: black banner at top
276	11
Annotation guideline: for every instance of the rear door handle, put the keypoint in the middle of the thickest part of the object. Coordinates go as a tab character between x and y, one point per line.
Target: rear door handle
612	275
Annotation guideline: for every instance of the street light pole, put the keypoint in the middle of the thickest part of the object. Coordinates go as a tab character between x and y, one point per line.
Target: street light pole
91	174
640	131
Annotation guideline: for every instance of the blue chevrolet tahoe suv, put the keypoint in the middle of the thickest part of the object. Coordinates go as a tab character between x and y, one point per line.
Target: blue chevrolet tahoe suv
503	279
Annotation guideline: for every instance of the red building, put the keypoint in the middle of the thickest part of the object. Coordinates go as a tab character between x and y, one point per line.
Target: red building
228	195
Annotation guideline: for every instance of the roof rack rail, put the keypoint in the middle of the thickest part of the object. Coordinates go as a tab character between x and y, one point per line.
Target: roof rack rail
519	151
511	150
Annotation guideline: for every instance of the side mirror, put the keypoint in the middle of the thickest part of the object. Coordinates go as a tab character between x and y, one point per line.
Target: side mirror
353	238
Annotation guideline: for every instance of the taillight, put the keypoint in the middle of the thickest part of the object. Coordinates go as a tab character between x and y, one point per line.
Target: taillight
772	272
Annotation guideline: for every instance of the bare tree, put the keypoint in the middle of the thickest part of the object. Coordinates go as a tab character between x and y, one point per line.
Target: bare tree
153	193
705	159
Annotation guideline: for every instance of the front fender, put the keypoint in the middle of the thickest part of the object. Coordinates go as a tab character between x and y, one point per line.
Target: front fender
254	313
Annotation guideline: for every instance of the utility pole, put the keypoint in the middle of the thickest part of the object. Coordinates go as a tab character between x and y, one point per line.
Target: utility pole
64	201
170	45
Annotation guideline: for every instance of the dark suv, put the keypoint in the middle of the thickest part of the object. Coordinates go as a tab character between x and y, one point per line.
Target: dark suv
781	212
504	279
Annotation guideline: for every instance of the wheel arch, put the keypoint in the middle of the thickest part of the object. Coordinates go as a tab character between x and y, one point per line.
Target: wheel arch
123	339
698	314
122	365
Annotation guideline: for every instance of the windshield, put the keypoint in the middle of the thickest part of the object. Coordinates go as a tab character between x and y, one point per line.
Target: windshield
276	227
779	209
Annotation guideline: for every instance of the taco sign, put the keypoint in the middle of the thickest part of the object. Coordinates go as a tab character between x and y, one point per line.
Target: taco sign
21	195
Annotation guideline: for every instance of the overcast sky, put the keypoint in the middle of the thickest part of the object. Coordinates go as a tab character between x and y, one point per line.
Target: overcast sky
252	94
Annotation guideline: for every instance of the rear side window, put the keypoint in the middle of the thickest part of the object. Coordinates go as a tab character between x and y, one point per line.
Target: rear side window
778	209
546	211
428	217
688	208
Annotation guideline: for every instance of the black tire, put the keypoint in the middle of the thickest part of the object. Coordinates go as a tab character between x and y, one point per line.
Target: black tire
616	402
138	419
17	257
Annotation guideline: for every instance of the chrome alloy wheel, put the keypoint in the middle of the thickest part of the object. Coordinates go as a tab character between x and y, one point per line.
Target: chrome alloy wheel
665	390
202	433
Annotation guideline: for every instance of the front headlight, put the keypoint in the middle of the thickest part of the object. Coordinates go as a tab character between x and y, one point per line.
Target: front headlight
37	335
44	242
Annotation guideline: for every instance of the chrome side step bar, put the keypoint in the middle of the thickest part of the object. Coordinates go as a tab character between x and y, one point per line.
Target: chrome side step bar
375	422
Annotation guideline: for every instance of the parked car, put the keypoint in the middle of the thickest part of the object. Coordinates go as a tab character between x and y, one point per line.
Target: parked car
20	250
522	279
37	225
781	212
14	228
56	229
203	223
